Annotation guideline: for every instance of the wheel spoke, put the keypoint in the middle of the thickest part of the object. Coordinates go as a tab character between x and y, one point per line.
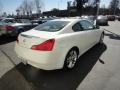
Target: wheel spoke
70	64
71	60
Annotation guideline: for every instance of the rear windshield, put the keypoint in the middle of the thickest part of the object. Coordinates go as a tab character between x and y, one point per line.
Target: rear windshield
52	26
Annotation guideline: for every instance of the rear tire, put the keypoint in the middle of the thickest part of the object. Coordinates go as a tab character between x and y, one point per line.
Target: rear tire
71	59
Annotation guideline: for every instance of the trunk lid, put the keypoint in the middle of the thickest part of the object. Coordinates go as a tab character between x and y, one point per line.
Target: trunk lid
34	37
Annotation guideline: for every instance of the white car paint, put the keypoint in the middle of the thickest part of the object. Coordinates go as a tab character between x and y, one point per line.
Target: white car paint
65	39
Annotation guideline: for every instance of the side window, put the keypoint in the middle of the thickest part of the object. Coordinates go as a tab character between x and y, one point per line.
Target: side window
77	27
86	25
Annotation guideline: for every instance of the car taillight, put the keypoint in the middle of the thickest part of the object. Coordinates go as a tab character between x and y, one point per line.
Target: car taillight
45	46
9	28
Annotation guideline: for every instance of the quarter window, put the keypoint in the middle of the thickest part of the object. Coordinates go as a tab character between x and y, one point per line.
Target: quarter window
77	27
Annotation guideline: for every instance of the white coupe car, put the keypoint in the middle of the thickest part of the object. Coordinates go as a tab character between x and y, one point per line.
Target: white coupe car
58	43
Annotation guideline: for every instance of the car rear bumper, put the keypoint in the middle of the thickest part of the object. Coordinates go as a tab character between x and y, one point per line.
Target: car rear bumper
102	22
47	60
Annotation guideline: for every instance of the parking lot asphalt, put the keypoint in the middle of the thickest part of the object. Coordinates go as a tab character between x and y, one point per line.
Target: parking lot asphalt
97	69
5	64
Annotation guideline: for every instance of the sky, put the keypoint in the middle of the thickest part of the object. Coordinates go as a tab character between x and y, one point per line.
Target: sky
9	6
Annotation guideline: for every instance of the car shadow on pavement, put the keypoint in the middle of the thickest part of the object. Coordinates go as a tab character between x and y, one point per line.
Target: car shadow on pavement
27	77
113	36
103	24
6	39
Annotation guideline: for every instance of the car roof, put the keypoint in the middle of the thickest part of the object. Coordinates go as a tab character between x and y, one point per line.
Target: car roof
67	19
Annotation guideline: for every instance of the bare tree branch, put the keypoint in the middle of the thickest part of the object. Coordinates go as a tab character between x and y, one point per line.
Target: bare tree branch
26	7
38	5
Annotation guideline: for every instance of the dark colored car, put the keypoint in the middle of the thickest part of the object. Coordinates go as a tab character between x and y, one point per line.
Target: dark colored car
14	29
42	20
2	24
36	21
102	20
111	18
118	18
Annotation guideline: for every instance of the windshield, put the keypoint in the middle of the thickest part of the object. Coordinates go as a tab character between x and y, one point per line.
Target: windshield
52	26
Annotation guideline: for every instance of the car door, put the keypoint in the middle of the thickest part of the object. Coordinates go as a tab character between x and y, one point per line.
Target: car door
80	37
90	36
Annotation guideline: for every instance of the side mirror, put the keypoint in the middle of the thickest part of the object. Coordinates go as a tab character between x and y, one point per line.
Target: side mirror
97	27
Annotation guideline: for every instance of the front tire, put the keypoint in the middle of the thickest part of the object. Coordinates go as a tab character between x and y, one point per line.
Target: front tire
71	59
101	38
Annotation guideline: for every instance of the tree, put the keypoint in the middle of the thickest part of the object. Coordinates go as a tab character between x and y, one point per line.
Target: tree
38	5
55	9
18	12
80	7
114	5
22	10
26	7
95	4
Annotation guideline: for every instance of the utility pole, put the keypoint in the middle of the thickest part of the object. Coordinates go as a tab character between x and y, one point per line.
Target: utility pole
59	4
98	8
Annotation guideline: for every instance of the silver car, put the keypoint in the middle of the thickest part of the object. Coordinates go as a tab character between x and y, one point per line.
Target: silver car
102	20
